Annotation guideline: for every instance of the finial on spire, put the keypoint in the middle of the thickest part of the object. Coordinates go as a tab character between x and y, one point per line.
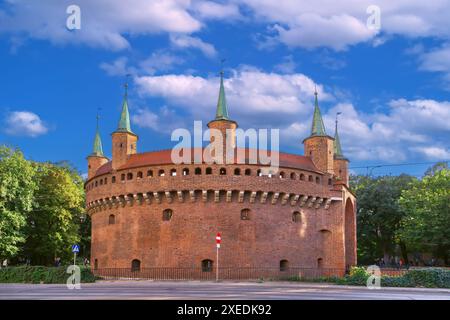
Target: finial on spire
97	149
337	142
124	122
125	85
221	110
318	128
98	116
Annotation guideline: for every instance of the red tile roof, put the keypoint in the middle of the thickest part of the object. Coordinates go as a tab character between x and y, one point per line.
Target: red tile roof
163	157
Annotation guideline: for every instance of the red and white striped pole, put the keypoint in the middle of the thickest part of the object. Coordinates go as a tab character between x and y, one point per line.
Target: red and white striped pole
218	240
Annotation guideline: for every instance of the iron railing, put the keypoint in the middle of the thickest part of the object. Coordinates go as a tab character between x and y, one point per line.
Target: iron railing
227	273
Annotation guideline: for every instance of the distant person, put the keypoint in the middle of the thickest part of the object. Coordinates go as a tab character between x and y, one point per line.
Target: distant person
5	263
86	262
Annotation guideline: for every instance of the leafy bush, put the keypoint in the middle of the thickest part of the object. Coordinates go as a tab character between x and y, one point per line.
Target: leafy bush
428	278
38	274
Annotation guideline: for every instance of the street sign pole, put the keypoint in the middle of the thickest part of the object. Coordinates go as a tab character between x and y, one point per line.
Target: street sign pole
74	258
217	259
218	240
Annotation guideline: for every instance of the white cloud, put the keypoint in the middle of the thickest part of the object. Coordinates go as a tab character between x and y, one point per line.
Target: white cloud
25	123
288	65
339	24
183	42
118	67
275	96
104	23
410	129
297	23
434	153
214	10
164	121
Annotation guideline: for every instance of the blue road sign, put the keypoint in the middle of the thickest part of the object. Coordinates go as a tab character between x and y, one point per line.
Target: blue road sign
75	248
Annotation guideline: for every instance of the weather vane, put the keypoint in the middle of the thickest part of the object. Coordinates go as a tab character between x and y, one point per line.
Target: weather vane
98	115
127	76
221	65
337	113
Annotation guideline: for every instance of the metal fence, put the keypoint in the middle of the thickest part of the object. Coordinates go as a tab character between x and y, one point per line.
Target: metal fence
235	273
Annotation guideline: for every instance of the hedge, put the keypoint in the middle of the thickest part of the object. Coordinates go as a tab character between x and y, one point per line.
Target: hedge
426	278
40	274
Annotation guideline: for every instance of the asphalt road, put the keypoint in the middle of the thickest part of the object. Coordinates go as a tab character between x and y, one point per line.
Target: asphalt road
211	290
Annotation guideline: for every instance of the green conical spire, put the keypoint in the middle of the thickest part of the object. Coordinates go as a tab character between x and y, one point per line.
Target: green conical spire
318	129
222	111
337	143
124	122
98	149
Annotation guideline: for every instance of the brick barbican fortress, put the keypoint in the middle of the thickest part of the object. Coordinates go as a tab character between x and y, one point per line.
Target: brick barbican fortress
148	212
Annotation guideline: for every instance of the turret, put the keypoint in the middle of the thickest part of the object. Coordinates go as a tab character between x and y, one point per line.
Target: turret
124	141
319	146
340	162
223	124
96	159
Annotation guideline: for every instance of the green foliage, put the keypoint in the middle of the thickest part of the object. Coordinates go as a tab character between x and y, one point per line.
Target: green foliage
41	206
429	278
427	224
379	214
40	274
17	187
53	225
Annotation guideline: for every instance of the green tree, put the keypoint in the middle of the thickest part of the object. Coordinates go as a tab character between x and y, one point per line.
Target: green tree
426	227
17	187
379	215
53	224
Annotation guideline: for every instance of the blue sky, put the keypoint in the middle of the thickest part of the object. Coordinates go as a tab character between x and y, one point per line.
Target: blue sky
391	84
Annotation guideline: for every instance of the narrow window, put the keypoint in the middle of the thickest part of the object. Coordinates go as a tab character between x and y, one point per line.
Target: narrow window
207	265
258	173
167	214
173	172
101	182
161	173
208	171
330	182
317	180
198	171
302	177
149	173
113	179
95	264
135	265
296	217
248	172
237	172
106	180
139	175
185	172
223	171
284	265
129	176
112	219
282	175
245	214
293	176
122	177
310	178
320	263
96	183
